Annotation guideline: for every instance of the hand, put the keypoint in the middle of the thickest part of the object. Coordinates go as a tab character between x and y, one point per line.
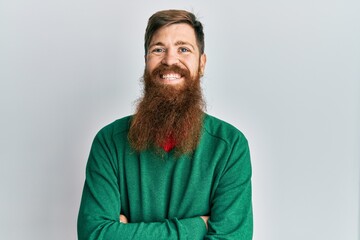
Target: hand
123	219
205	218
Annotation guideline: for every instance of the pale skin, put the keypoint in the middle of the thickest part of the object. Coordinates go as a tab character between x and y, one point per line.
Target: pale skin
174	44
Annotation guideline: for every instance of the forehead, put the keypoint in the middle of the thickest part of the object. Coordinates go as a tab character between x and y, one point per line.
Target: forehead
174	33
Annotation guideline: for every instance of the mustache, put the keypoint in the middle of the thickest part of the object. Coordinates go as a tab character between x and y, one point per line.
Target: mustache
163	69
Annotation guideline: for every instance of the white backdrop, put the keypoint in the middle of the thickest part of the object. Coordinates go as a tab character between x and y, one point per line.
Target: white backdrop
286	73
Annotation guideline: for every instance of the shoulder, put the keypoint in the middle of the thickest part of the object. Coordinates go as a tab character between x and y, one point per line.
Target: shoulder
119	126
220	129
226	145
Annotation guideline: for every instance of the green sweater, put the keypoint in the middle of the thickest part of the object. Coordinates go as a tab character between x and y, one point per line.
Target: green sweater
163	197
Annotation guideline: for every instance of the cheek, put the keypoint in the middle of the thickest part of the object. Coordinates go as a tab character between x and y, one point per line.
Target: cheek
151	62
193	66
150	66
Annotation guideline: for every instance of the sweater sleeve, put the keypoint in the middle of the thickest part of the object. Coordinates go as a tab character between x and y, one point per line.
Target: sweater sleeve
100	206
231	207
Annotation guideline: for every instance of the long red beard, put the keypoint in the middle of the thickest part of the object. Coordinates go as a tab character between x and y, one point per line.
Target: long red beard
166	112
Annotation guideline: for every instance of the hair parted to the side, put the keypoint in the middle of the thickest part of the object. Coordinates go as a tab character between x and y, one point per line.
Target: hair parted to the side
172	16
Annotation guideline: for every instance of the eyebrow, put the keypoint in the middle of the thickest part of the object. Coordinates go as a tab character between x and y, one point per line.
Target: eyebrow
178	43
184	43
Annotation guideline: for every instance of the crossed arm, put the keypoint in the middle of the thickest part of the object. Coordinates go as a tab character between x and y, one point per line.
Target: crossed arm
231	210
123	219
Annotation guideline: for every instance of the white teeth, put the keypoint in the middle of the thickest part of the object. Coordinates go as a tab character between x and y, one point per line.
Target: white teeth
171	76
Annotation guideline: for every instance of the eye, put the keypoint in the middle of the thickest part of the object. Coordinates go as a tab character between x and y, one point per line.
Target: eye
184	50
158	50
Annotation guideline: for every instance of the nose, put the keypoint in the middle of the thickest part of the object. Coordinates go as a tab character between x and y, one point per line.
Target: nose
170	58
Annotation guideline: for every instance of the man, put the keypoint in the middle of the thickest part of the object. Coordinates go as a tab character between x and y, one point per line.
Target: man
170	171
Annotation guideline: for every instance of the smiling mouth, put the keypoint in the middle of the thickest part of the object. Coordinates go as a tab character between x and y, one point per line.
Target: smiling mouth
170	76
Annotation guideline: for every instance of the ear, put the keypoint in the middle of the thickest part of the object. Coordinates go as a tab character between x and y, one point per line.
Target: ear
202	63
145	57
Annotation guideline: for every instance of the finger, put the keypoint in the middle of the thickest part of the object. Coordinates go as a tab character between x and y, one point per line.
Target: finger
123	219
